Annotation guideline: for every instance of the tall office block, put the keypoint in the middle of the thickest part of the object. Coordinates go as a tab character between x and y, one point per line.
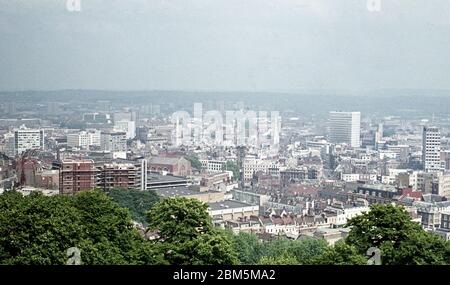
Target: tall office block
27	139
345	127
431	149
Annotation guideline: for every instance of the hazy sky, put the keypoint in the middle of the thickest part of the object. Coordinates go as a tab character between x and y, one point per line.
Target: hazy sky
260	45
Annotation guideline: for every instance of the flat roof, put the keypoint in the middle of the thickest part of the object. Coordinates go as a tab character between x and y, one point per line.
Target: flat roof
156	177
179	191
227	204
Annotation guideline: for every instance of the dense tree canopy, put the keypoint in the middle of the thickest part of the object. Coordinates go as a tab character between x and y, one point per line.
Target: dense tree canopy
400	240
39	230
36	229
195	162
284	259
187	235
136	201
251	250
231	166
341	254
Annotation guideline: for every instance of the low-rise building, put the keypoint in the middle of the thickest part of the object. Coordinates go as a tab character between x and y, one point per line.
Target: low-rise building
232	210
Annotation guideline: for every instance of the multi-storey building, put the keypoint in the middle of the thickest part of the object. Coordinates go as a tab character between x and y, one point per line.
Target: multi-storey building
76	176
212	165
253	165
10	147
26	139
84	139
129	127
117	175
179	166
431	149
345	127
114	141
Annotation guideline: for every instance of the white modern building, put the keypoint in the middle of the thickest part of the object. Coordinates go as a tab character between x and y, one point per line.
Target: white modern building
345	127
212	165
129	127
431	149
9	148
114	141
27	139
254	165
84	139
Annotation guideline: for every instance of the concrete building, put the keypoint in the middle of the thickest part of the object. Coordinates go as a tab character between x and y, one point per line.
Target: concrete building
9	147
377	190
191	192
345	127
178	166
212	165
117	175
339	213
250	197
76	176
157	181
444	228
129	127
26	139
114	141
431	149
232	210
425	182
444	184
84	139
430	213
254	165
48	179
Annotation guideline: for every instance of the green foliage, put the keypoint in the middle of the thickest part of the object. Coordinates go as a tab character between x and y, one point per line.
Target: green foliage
341	254
284	259
36	229
231	166
400	240
304	250
251	250
195	162
187	235
248	248
136	201
39	230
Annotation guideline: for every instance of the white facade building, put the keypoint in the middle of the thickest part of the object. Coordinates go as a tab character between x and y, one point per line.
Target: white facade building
254	165
114	141
84	139
26	139
9	148
345	127
431	149
211	165
129	127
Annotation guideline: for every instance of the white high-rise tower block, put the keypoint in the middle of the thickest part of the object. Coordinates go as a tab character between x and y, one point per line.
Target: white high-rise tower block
345	127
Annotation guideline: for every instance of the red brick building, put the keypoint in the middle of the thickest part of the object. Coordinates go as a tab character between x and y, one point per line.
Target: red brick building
117	175
76	176
178	166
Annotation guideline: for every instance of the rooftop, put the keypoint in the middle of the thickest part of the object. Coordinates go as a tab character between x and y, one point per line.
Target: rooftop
156	178
179	191
163	160
228	204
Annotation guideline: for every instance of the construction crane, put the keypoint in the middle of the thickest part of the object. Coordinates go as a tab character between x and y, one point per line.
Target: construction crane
240	161
26	156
